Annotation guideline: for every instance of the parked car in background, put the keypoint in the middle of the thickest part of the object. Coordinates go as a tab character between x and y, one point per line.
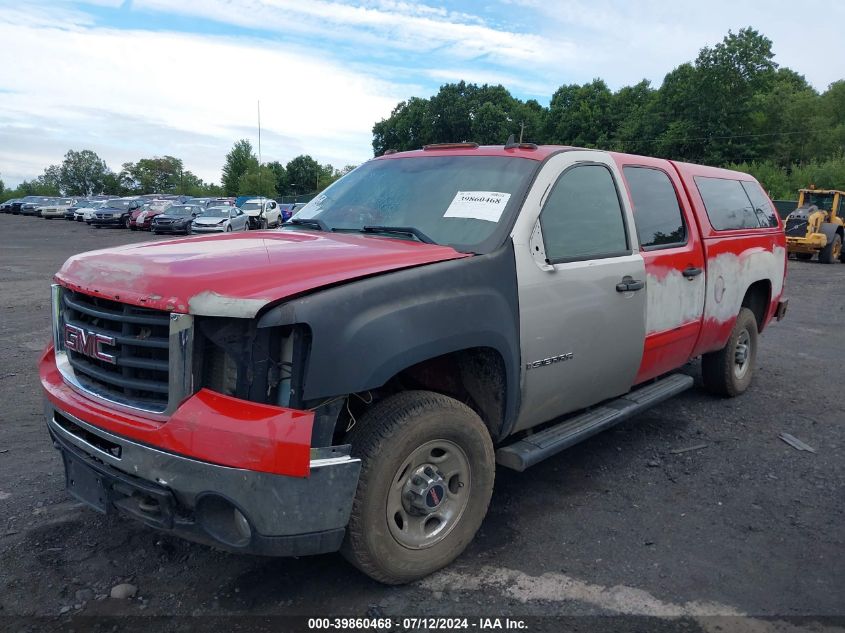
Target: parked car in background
239	201
6	207
31	206
289	209
263	213
115	213
176	219
19	202
55	208
84	214
201	202
142	218
71	210
222	219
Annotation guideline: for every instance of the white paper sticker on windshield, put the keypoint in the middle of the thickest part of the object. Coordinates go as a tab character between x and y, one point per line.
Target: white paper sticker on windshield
478	205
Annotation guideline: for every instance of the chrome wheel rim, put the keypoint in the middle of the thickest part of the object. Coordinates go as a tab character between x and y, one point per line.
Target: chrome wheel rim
428	494
742	354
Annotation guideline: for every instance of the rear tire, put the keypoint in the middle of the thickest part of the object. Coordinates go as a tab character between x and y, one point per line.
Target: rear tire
427	471
832	253
728	372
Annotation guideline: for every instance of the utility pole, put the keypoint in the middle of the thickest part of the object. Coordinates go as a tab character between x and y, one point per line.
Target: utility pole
259	148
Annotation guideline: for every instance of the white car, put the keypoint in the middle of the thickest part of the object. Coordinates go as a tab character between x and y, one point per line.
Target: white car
55	208
263	213
84	214
220	220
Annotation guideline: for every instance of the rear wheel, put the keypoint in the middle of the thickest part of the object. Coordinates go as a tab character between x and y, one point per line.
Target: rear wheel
728	372
427	471
832	253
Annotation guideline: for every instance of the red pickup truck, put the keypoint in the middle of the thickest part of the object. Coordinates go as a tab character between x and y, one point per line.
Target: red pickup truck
351	381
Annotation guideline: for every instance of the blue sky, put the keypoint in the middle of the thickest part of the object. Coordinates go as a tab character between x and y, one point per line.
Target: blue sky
138	78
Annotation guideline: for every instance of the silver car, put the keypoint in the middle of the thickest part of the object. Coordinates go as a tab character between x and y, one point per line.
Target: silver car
220	220
55	208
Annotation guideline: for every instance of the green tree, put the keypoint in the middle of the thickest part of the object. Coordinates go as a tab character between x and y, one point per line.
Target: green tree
258	181
239	160
51	180
82	173
161	174
304	175
112	185
581	115
2	187
280	175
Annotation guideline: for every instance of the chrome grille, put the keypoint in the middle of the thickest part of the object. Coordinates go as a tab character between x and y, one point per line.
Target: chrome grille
146	362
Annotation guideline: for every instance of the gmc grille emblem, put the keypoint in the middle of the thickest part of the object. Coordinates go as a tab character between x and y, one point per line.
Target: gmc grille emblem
88	343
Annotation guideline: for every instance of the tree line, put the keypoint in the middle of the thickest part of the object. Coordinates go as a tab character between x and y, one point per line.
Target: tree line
732	106
84	173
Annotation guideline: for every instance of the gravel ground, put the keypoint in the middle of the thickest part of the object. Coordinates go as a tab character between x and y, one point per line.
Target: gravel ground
624	525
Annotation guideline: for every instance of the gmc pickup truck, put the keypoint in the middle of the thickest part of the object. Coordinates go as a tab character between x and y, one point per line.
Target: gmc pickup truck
350	381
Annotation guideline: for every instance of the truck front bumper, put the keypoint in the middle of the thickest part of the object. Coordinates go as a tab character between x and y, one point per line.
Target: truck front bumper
233	508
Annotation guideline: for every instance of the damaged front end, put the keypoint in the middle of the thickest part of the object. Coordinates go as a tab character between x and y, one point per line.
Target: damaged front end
194	424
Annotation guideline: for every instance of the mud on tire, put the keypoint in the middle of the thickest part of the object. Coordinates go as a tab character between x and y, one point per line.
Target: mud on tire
427	471
728	372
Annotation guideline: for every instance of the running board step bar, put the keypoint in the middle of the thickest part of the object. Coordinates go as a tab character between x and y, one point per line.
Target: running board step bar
537	447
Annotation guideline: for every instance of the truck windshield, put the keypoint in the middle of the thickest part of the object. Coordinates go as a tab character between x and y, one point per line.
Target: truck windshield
461	201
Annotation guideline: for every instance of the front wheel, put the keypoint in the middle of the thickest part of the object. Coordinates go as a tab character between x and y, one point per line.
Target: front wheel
427	471
728	372
229	228
126	224
832	253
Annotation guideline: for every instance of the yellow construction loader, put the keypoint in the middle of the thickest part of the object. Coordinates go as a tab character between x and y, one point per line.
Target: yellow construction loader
817	225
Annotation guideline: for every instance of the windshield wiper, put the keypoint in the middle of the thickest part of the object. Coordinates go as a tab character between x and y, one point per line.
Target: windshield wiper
313	223
402	230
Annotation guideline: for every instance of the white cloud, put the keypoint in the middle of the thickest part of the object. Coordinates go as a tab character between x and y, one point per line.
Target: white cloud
385	26
326	71
129	94
627	41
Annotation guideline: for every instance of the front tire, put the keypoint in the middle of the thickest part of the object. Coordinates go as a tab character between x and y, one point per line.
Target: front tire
728	372
832	253
427	471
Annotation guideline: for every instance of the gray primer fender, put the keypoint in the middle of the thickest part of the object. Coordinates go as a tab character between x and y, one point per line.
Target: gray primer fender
366	331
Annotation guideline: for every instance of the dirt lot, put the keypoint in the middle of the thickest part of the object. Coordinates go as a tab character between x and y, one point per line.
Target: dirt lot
622	525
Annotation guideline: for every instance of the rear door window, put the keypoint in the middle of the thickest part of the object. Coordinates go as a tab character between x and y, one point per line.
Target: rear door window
727	204
762	205
656	210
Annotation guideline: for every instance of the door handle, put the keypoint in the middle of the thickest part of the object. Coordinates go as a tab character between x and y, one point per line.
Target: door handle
628	284
692	271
